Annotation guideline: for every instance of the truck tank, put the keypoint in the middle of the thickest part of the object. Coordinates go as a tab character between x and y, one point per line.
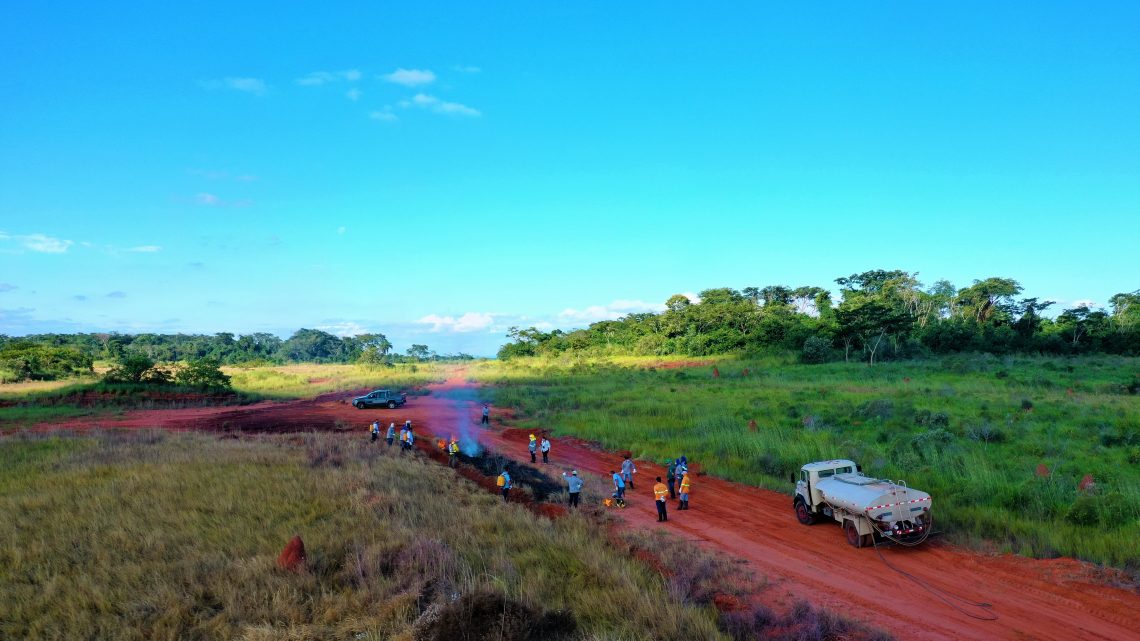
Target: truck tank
892	506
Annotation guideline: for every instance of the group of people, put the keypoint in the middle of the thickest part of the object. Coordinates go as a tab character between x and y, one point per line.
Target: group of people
534	445
407	438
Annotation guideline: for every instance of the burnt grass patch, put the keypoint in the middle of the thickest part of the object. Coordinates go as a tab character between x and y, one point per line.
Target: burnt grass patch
490	464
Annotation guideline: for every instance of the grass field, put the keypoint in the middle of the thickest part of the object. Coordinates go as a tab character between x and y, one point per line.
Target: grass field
1002	444
175	536
26	404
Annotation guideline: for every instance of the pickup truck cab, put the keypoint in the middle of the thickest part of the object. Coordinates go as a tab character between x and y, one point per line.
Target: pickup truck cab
380	398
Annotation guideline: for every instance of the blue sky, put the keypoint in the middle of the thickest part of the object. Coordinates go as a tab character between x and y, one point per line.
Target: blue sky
441	173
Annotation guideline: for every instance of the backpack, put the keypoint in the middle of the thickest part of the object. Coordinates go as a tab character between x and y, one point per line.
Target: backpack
501	482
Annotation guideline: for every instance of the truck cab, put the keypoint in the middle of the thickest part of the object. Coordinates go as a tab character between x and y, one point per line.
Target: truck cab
380	398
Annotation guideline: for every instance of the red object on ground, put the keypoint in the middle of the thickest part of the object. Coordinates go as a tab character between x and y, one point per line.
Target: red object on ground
746	372
293	556
1047	599
1087	484
716	372
1042	470
752	425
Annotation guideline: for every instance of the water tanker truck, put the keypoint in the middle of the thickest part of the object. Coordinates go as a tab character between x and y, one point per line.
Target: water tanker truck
866	507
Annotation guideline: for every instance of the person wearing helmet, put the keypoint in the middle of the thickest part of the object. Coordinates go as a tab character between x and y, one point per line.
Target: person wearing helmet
545	447
660	492
504	483
453	452
574	485
533	447
391	434
375	429
486	415
685	487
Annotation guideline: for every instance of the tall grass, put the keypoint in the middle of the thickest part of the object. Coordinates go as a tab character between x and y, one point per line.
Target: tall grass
306	380
972	430
174	536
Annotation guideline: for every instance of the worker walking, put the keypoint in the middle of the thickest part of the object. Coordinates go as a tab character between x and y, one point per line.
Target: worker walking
627	471
486	415
504	483
403	439
453	452
671	478
532	446
391	434
375	431
619	488
685	488
545	447
574	485
659	494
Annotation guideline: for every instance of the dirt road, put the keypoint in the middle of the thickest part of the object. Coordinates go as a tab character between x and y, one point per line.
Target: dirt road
1058	599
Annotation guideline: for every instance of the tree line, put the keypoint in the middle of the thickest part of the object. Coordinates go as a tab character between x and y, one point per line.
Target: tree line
881	314
52	356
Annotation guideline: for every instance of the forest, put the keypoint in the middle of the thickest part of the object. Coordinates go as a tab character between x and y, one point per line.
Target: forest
880	315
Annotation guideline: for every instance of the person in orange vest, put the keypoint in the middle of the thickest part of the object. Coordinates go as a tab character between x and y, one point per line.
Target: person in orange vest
453	452
685	487
660	493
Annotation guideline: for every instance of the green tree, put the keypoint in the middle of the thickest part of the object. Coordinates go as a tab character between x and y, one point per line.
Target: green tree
203	373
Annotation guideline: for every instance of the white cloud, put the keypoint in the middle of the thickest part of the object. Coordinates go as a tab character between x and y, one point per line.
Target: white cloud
353	94
424	101
318	78
469	322
248	85
45	244
613	311
145	249
344	328
4	236
206	199
467	68
410	77
340	230
386	116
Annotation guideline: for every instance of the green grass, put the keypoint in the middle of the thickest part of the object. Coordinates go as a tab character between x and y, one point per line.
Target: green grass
970	429
25	404
175	536
307	380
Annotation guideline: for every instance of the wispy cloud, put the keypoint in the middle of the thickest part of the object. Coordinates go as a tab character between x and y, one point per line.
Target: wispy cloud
340	230
344	328
318	78
613	311
7	287
214	174
467	68
206	199
353	94
254	86
469	322
79	297
410	77
196	264
45	244
431	103
386	116
117	294
145	249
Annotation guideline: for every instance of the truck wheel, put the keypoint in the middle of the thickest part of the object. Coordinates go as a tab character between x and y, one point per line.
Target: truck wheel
391	405
803	514
852	532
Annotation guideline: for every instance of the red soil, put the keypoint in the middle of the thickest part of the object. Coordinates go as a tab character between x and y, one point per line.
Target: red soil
1060	599
292	558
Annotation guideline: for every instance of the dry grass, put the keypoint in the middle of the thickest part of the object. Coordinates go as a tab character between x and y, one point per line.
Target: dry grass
161	536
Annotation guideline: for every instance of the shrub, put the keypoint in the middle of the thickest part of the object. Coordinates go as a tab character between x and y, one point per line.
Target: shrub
816	350
28	361
202	373
136	368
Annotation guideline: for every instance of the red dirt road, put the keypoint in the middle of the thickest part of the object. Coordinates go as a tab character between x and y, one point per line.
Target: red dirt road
1059	600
